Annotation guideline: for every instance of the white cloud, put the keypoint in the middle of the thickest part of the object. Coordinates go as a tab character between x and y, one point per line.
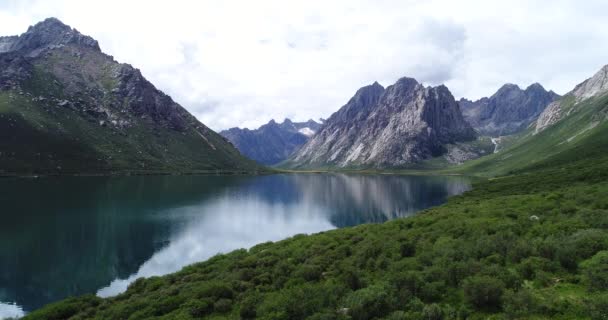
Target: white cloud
241	63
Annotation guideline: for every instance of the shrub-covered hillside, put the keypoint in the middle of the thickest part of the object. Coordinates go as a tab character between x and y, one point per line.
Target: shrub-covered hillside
533	245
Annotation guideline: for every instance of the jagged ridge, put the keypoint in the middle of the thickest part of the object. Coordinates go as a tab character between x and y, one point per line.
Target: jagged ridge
272	142
509	110
400	125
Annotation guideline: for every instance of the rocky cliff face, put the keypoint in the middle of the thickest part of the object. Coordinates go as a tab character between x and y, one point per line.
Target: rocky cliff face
83	111
593	87
272	142
400	125
508	111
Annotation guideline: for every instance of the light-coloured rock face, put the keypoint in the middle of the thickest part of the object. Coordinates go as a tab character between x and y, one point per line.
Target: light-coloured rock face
401	125
592	87
550	115
596	85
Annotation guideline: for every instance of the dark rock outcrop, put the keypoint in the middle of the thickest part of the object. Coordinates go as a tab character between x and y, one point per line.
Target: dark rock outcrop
272	142
508	111
44	35
397	126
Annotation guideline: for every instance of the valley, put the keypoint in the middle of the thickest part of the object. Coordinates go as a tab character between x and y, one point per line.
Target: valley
405	203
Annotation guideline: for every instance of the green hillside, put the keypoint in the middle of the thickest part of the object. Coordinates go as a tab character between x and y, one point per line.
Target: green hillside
531	245
68	108
581	135
42	138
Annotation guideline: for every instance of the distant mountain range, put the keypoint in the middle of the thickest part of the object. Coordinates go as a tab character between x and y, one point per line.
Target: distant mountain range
572	128
393	127
508	111
272	142
66	107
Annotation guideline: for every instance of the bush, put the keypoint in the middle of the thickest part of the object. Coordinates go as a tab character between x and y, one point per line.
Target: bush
530	266
519	303
309	272
432	312
595	271
483	292
407	249
249	307
598	307
199	308
368	303
166	305
222	305
65	309
215	291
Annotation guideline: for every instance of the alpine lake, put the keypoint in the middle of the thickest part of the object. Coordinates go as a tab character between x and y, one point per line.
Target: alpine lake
67	236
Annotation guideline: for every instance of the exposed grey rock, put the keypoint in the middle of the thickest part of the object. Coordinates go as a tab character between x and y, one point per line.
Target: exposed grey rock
508	111
458	153
592	87
272	142
47	34
6	43
550	115
403	124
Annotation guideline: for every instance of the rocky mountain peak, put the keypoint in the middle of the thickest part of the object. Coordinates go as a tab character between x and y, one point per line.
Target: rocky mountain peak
405	83
50	24
84	99
508	89
48	33
596	85
272	142
403	124
360	104
535	87
509	110
368	92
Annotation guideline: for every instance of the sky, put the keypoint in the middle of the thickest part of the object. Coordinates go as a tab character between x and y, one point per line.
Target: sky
242	63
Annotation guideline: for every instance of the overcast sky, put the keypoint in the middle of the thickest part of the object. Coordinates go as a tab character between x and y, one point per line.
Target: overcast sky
242	63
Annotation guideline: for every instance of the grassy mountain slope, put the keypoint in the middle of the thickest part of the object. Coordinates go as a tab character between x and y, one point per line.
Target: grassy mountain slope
66	107
532	245
42	138
581	135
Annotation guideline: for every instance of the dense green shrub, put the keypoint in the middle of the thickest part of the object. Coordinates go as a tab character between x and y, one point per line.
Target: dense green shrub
369	303
596	271
519	303
598	307
222	305
488	261
199	308
483	292
432	312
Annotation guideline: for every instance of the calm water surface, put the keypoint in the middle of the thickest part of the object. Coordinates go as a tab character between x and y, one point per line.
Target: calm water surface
74	235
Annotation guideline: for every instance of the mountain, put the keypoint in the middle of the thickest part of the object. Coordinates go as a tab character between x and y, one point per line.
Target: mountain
592	87
66	107
397	126
573	128
272	142
508	111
